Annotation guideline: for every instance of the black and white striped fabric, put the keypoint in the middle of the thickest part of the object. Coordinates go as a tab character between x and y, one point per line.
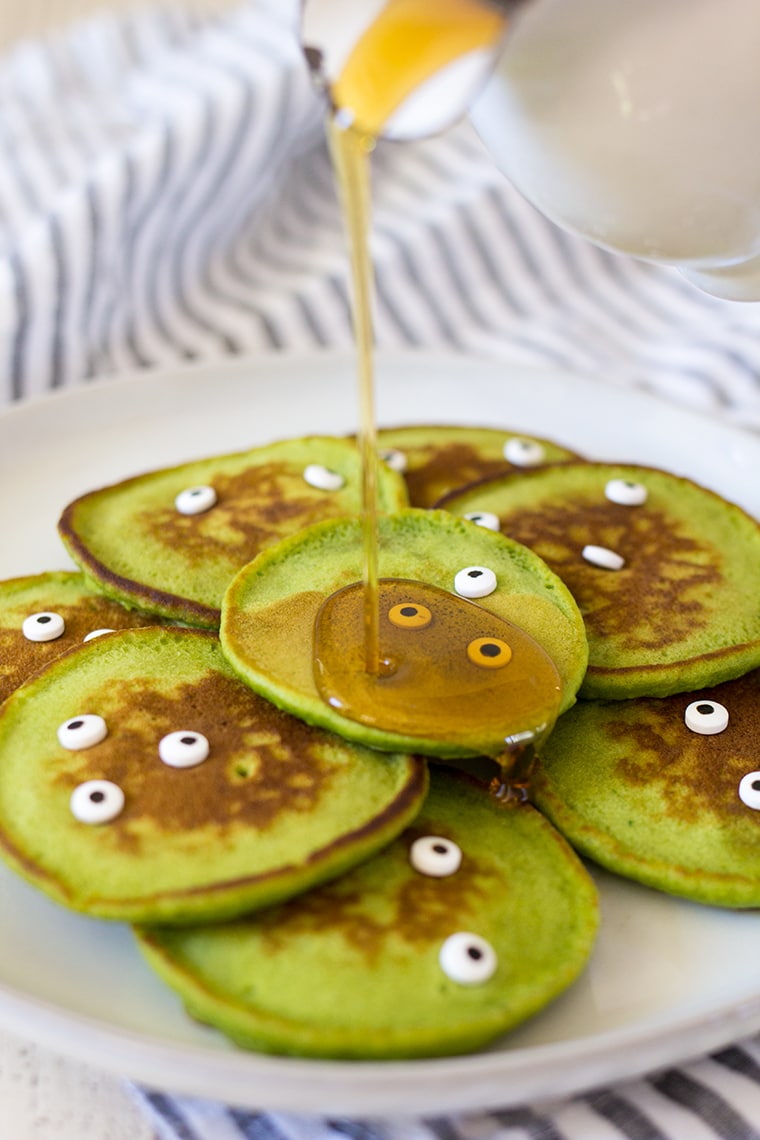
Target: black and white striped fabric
714	1099
165	195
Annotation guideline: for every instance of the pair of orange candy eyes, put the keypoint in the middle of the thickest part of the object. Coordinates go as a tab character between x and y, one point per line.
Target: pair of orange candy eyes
488	652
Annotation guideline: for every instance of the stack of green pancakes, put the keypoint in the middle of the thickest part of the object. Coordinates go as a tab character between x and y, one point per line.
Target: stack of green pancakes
436	460
141	780
663	570
653	774
169	541
664	790
470	921
191	741
43	615
273	606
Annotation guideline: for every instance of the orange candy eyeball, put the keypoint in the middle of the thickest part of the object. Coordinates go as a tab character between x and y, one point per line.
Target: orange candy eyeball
489	652
410	615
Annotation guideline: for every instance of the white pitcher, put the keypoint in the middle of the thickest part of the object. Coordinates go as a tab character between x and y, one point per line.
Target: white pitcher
633	122
637	124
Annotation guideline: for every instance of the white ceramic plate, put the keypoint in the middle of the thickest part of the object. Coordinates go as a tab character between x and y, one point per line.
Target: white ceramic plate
668	980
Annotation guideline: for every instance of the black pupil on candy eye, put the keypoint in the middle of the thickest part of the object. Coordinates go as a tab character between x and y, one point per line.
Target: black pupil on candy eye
439	848
704	710
490	650
97	797
187	740
475	574
44	619
756	785
409	611
474	953
76	724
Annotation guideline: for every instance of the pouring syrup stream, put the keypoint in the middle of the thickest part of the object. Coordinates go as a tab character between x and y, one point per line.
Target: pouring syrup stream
407	43
350	150
410	41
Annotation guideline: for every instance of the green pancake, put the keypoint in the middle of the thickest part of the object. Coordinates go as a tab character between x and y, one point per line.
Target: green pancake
352	969
276	807
682	612
141	550
631	786
441	458
269	614
64	593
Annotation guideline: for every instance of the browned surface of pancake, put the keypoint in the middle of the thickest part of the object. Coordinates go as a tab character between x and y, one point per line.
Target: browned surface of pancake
21	658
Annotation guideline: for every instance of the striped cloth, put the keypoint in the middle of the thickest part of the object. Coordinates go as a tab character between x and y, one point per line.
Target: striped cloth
165	195
715	1099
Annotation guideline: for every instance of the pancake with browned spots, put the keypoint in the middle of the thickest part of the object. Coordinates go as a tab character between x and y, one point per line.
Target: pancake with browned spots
131	538
355	969
634	788
275	807
272	613
58	593
437	459
683	610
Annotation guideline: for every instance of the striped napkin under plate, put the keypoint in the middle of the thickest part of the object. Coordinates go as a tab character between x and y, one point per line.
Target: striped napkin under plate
165	195
714	1099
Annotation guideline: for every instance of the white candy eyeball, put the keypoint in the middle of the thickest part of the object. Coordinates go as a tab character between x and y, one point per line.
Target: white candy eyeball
604	558
323	478
749	790
82	732
395	459
484	518
475	582
183	749
626	493
435	856
96	633
195	500
706	717
468	959
524	452
46	626
96	801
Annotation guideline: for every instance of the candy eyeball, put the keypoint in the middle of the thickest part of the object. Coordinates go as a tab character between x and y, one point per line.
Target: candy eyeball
410	615
603	558
468	959
82	732
475	582
749	790
96	801
524	452
96	633
45	626
706	717
395	459
195	500
183	749
435	856
489	652
323	478
625	492
486	519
